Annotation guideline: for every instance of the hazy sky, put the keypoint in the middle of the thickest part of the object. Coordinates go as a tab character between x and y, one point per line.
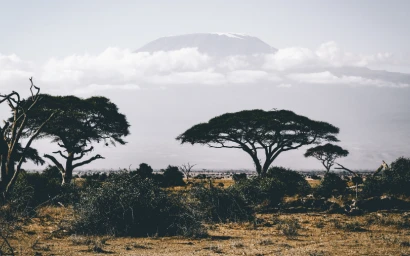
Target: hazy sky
41	29
344	62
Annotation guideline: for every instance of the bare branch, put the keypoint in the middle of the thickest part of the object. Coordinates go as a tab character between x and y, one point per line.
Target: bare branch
341	167
55	161
61	154
88	161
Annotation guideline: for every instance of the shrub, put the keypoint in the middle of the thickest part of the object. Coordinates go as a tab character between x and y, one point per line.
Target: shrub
257	191
144	170
129	205
173	177
237	177
331	185
289	227
220	205
373	186
33	189
393	181
293	181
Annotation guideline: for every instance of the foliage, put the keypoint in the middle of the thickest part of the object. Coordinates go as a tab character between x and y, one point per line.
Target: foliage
373	186
33	189
85	121
220	205
12	153
173	177
274	132
237	177
393	181
144	170
294	183
130	206
256	191
331	185
326	154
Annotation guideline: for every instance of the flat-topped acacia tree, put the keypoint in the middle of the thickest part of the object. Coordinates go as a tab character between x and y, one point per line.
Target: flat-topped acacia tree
256	132
327	154
81	123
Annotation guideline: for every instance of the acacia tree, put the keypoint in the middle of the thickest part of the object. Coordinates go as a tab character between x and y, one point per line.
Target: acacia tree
12	153
254	131
83	122
327	154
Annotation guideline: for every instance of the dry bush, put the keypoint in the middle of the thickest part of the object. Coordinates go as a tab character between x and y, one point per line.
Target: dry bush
131	206
289	227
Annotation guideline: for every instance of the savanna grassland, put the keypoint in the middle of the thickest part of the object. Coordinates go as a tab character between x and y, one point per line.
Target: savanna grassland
380	233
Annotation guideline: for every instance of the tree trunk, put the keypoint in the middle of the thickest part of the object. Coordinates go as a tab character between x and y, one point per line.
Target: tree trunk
259	169
3	163
68	174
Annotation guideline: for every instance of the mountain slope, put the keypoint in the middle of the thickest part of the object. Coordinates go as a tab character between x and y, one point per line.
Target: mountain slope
213	44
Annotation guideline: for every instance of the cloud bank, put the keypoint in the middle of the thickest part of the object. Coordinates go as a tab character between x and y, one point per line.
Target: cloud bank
122	69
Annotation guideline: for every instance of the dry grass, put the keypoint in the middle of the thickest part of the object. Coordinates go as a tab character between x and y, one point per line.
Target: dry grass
316	234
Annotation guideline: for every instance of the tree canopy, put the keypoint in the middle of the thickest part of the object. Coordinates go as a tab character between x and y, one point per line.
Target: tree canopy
327	154
82	122
272	132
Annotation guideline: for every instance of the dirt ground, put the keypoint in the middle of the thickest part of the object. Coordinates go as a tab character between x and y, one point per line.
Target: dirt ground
272	234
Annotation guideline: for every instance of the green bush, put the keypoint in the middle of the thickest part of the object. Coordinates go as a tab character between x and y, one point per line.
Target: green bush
394	181
237	177
173	177
294	183
144	171
257	191
220	205
373	186
331	185
128	205
33	189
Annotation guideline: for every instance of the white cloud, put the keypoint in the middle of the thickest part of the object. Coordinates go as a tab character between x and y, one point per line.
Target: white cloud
93	88
117	69
327	55
327	77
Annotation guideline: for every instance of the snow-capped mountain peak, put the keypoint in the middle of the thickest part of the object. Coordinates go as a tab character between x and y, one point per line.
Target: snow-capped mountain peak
213	44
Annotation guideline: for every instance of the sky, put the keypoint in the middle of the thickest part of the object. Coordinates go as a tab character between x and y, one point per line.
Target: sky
344	62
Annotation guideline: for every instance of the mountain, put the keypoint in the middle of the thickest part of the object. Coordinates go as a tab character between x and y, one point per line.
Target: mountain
213	44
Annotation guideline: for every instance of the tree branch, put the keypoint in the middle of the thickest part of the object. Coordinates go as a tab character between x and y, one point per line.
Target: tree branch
54	160
88	161
61	154
344	168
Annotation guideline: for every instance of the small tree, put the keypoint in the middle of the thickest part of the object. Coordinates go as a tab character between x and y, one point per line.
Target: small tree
327	154
85	121
144	170
255	131
173	177
12	133
186	170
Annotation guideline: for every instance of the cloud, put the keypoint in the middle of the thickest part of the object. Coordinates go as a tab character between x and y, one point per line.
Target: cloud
326	55
93	88
123	69
13	71
327	77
